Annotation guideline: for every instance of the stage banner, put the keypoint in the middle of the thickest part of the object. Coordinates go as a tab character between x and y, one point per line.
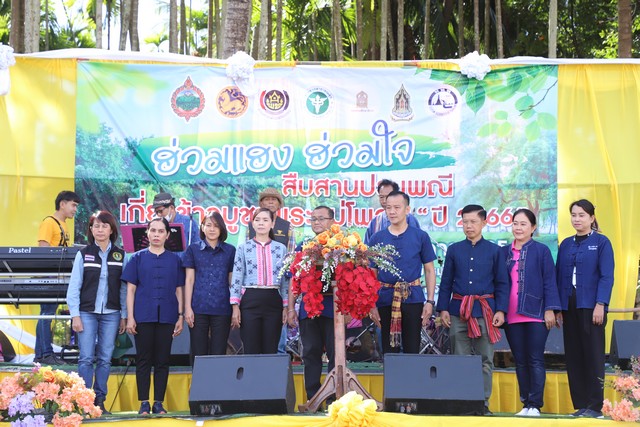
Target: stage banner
323	136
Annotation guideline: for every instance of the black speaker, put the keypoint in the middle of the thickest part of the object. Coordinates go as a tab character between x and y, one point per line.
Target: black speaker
255	384
433	384
625	342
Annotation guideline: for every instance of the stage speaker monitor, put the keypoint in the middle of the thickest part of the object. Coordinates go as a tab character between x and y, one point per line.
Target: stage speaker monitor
625	342
254	384
433	384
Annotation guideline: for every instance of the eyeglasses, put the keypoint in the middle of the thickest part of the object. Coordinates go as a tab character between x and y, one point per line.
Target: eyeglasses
383	196
314	219
160	210
101	225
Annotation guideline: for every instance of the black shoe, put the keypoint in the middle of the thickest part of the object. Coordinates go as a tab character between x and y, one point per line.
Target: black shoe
590	413
487	411
145	408
99	402
51	360
158	408
578	413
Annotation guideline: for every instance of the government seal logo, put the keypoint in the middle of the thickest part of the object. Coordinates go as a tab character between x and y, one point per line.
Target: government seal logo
187	101
274	103
117	256
231	102
443	100
319	101
402	110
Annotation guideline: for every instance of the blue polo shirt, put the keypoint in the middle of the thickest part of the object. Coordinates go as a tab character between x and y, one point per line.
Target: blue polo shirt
474	270
415	249
156	278
211	286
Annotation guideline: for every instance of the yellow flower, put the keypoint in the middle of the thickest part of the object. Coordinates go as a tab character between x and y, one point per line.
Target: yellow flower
350	242
335	228
331	242
339	236
352	410
48	376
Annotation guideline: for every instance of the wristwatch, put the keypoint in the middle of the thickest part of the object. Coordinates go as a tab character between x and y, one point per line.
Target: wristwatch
432	302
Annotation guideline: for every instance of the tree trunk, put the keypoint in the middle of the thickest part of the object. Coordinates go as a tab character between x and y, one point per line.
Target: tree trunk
384	12
210	19
392	42
98	19
499	41
487	26
359	30
553	28
264	30
270	34
336	18
133	26
625	19
125	13
400	29
476	25
236	25
460	28
219	29
427	30
32	26
278	30
173	26
16	36
183	28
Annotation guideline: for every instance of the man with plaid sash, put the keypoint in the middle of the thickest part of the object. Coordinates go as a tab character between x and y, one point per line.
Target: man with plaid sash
401	310
474	293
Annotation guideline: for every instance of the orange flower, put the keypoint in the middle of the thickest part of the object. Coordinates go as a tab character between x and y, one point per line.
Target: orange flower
323	238
339	237
335	228
357	236
362	247
325	251
48	376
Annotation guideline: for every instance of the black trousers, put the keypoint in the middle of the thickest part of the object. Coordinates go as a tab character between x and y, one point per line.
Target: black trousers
153	349
411	326
316	335
209	334
584	353
261	321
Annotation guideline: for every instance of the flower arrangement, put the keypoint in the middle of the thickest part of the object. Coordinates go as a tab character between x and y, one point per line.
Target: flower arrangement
343	257
26	397
352	410
628	385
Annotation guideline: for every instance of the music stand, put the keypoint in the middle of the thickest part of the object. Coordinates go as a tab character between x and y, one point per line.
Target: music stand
134	237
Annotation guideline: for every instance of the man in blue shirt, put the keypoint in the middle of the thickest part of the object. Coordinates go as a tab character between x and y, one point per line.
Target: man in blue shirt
401	310
165	207
474	293
381	221
316	333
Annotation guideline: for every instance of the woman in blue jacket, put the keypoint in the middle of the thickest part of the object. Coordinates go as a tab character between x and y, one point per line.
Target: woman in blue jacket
532	300
585	278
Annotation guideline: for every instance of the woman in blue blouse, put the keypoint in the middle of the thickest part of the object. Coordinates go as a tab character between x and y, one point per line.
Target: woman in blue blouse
533	297
584	273
258	295
155	281
97	302
208	265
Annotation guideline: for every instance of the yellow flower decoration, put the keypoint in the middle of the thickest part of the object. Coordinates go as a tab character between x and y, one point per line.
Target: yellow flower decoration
352	410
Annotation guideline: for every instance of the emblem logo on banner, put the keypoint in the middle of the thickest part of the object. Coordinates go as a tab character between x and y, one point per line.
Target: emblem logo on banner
443	100
187	101
231	102
319	101
362	102
402	106
274	103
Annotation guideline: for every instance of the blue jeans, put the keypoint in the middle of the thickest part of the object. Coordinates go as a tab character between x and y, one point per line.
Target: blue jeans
96	342
527	341
43	332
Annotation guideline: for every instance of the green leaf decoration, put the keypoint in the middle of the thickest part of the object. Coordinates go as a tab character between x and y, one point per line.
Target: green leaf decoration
532	131
475	97
547	121
440	75
524	103
514	79
504	129
528	114
487	129
501	115
538	82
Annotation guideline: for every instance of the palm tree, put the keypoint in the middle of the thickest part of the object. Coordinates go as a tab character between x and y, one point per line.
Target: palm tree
236	24
279	12
157	40
336	33
500	42
460	28
625	19
125	14
263	31
487	26
553	28
427	30
98	21
476	25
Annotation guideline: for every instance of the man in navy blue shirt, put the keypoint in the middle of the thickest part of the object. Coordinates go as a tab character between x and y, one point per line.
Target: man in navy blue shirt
316	333
474	292
164	206
401	309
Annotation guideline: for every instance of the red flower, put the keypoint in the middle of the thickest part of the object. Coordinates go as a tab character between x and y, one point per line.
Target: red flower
357	289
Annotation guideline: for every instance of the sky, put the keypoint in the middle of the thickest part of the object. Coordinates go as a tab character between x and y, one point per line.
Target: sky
150	22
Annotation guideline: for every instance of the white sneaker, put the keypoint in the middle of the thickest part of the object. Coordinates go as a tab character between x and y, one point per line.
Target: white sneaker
523	413
533	412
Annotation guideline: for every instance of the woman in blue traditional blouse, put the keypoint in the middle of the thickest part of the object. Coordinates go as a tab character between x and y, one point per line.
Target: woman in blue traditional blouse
584	271
208	265
532	300
155	281
258	296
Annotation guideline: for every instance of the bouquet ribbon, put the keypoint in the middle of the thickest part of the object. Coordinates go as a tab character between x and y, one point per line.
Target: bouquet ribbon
473	328
400	293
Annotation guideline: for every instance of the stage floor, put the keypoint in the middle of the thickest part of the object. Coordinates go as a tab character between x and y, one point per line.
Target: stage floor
122	396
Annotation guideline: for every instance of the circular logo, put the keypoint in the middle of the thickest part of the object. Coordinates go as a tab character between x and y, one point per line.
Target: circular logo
187	101
443	100
274	103
231	102
117	256
319	101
